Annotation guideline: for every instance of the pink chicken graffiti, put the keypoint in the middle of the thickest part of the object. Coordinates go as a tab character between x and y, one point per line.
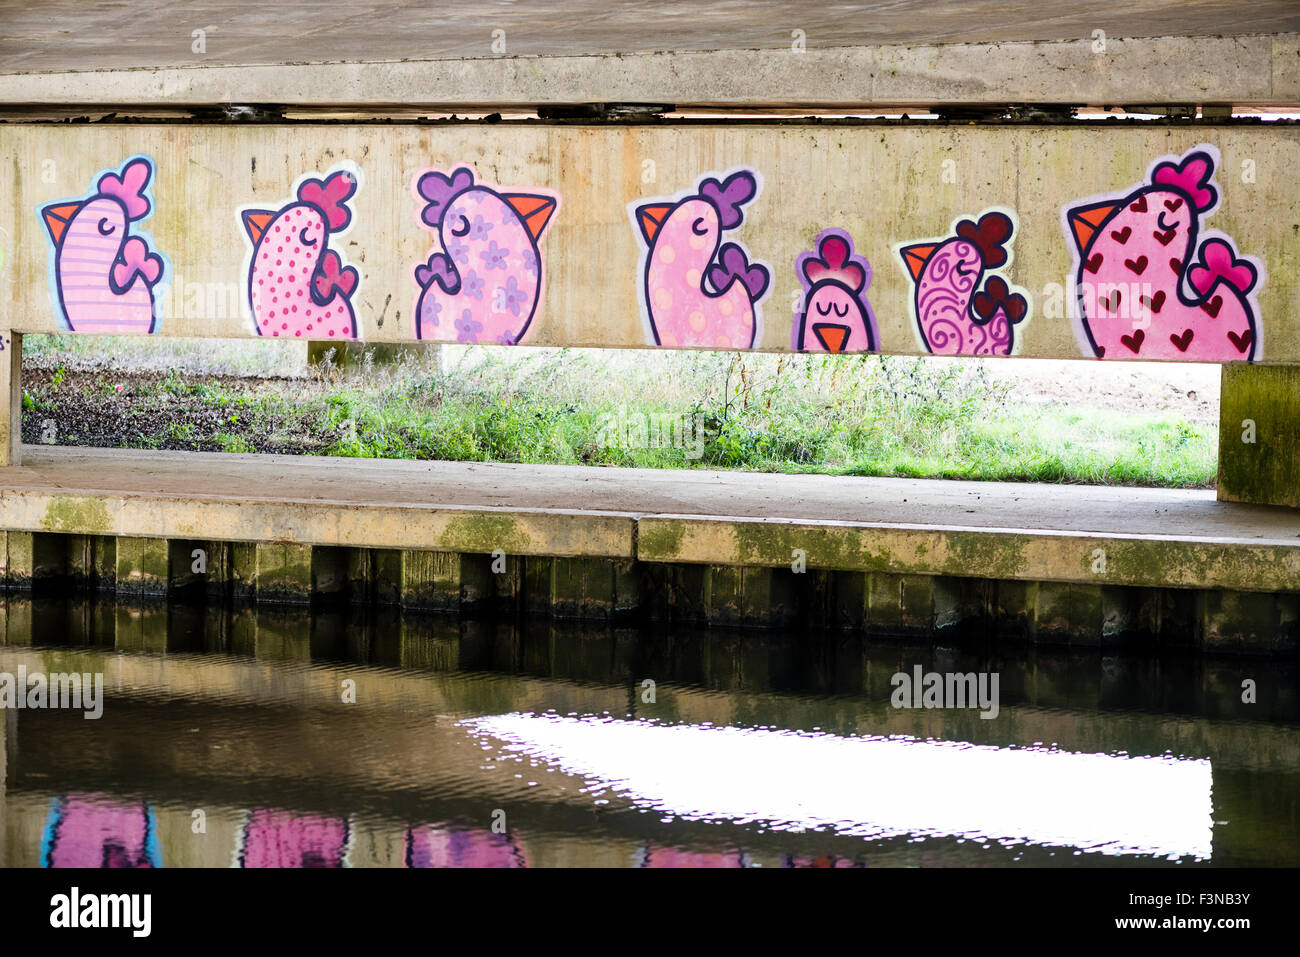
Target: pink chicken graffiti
88	830
953	313
1146	286
836	315
297	285
430	846
486	283
275	838
695	289
103	278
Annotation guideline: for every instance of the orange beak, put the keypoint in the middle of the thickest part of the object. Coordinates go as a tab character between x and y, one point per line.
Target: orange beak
650	218
256	221
1085	221
58	217
916	256
833	337
535	211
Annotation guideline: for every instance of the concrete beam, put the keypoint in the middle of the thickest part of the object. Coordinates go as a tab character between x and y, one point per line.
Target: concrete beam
1240	70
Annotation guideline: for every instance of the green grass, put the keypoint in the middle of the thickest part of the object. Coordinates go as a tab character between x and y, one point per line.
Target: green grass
852	415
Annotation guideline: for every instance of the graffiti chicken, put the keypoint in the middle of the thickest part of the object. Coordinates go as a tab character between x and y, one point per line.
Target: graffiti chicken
103	277
836	314
695	289
954	314
297	285
486	283
1150	283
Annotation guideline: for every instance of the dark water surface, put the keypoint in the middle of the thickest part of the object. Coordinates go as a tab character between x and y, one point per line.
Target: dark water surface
227	739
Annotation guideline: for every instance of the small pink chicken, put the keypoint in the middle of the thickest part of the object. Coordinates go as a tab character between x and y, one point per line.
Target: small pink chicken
697	290
297	285
486	283
836	315
1146	286
954	315
104	278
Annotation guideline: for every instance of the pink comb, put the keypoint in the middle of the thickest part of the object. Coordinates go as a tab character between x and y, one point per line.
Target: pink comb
128	188
330	197
1192	176
835	263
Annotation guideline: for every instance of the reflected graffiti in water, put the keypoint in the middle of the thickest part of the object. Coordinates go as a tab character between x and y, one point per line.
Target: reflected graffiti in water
758	749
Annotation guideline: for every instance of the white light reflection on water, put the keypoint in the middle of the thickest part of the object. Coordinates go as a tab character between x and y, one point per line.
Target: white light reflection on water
877	787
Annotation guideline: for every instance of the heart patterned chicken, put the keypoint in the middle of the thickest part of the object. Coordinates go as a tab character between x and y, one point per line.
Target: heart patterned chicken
1151	283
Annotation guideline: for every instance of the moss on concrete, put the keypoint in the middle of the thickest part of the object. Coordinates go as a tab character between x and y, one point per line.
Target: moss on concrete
284	573
660	539
143	566
77	513
1259	435
482	533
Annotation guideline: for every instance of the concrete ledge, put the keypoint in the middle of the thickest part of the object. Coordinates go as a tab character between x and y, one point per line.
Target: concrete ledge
1240	70
567	533
990	530
1052	565
1179	561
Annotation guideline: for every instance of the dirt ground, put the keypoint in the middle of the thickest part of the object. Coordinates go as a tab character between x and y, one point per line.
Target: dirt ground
1184	389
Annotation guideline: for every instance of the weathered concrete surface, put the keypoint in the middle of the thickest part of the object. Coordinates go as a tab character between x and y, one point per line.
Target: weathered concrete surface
1240	71
371	508
730	53
973	529
1259	435
813	178
1177	556
69	35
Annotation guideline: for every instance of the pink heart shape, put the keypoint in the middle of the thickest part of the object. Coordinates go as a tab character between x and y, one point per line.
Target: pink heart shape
1219	261
333	275
850	273
136	258
1192	176
129	187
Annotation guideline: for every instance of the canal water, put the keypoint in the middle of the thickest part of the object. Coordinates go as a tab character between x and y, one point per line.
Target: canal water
349	738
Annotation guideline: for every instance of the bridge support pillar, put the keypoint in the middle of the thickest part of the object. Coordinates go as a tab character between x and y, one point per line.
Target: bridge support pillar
11	398
1259	435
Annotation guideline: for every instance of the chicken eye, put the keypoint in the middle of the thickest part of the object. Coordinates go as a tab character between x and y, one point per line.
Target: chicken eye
837	310
824	310
462	229
698	227
105	227
302	238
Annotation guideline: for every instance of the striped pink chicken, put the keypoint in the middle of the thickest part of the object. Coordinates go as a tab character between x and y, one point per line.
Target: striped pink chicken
297	285
104	278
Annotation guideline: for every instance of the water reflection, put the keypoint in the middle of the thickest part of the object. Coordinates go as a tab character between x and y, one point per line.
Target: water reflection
274	838
91	831
874	787
442	847
482	744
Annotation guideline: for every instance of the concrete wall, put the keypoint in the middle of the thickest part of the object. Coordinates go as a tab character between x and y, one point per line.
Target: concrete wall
885	185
